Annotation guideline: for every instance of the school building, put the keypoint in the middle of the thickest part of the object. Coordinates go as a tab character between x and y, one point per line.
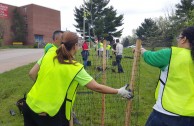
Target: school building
40	23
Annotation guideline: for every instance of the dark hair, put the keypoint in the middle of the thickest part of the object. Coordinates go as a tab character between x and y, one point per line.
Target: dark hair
189	34
56	33
117	40
69	39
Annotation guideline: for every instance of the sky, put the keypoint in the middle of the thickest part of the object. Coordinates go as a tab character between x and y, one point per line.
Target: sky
134	11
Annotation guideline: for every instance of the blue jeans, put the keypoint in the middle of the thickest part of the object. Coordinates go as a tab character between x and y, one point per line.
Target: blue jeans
118	60
85	55
85	63
158	119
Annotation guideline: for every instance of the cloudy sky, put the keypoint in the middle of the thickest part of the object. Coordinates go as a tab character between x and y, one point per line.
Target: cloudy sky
134	11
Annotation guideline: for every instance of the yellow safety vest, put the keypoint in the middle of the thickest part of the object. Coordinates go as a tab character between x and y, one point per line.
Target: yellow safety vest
178	92
54	86
108	47
101	45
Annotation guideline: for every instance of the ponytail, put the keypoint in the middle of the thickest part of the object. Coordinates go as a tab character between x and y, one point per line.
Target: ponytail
64	55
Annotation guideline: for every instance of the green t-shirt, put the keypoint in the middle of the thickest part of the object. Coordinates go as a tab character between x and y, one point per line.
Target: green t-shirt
47	47
39	61
160	58
83	77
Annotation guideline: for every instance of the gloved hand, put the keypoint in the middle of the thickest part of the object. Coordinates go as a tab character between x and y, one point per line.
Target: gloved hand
125	93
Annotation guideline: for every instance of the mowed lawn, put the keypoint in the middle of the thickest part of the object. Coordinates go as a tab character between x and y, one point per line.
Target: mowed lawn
15	83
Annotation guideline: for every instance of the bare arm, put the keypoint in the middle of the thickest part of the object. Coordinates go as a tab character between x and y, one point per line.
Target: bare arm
113	50
93	85
34	72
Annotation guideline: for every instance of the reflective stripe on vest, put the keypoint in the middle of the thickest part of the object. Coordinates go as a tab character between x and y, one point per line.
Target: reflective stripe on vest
178	92
161	81
54	86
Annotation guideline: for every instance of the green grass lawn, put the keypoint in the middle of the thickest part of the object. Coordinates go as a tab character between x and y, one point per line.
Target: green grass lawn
88	104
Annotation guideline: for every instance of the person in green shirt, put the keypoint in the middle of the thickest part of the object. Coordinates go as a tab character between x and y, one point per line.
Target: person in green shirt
56	40
175	90
50	100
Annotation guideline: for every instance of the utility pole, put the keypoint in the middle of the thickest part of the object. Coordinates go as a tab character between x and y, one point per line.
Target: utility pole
91	18
91	22
84	22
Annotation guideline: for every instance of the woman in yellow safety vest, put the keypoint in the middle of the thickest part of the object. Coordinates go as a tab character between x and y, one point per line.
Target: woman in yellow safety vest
50	101
175	90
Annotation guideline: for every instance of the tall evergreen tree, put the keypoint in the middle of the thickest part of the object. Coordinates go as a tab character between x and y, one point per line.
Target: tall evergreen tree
99	19
183	10
149	33
190	21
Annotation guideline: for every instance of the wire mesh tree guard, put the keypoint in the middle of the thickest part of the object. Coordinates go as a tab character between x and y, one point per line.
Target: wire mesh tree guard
95	109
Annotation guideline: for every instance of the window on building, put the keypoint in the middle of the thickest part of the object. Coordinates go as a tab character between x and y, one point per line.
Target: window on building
25	9
38	38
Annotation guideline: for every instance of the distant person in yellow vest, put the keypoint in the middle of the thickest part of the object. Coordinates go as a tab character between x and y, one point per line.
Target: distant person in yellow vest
175	90
50	101
100	47
108	48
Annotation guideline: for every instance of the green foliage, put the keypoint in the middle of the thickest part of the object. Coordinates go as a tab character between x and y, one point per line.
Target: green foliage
2	30
130	39
190	21
146	29
165	30
35	45
167	35
184	8
183	15
149	32
99	19
125	42
18	27
1	41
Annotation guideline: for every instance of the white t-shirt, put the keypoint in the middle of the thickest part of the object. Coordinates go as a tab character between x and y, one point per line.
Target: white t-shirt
119	49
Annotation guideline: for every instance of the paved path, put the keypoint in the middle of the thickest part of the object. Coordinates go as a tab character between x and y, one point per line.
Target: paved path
13	58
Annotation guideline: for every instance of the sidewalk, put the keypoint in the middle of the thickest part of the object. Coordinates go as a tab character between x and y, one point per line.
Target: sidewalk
13	58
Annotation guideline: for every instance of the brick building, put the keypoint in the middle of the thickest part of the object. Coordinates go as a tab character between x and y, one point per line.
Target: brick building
40	22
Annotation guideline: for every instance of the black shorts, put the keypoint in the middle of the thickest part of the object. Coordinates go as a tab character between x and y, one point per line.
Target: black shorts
33	119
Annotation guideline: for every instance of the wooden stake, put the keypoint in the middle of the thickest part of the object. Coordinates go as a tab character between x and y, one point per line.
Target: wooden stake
71	121
103	82
132	81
